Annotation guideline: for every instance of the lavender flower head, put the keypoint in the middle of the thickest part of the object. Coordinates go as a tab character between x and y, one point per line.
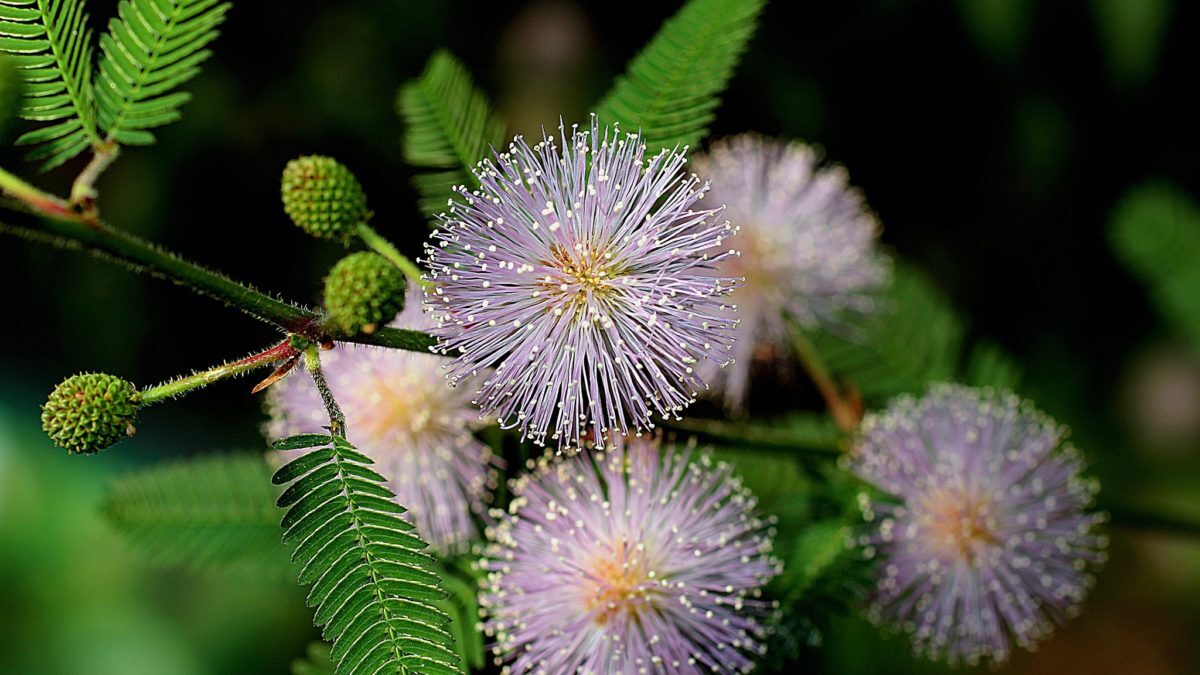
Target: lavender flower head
584	275
627	562
990	539
809	248
401	414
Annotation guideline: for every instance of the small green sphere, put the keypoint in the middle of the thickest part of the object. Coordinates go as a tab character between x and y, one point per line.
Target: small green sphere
12	90
323	198
90	412
362	292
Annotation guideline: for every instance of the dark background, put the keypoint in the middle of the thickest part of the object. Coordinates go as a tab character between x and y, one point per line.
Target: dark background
993	138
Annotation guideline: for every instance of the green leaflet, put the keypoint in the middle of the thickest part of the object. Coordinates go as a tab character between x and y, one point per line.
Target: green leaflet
151	48
375	591
448	127
671	89
214	513
1155	231
52	46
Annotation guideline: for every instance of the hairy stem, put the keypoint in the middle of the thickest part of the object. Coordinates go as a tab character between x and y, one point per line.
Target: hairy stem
386	249
268	357
312	363
99	239
63	226
34	199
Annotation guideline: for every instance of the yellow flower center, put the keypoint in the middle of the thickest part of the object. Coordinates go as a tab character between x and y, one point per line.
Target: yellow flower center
957	522
617	583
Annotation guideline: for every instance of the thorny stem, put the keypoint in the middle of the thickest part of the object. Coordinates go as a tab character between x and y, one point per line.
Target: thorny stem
277	354
386	249
845	410
98	238
62	225
312	363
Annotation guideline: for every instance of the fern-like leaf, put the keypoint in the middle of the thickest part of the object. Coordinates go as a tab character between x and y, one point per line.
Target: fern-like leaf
52	46
151	48
374	588
449	126
1156	232
210	513
916	339
671	89
461	605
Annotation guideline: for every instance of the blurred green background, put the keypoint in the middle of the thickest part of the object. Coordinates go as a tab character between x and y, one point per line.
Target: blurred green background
993	137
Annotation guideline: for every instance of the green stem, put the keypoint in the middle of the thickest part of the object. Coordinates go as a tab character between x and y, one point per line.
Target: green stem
83	190
34	199
63	226
757	437
395	338
269	357
386	249
99	239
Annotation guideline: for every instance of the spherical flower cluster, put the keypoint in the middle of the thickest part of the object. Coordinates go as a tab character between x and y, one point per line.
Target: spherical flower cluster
988	539
400	413
584	275
323	198
363	291
89	412
809	248
636	560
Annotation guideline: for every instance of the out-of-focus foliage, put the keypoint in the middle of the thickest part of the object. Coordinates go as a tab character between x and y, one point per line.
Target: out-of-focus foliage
915	339
76	601
316	661
449	125
211	513
1132	31
1000	27
1156	232
671	89
989	366
216	515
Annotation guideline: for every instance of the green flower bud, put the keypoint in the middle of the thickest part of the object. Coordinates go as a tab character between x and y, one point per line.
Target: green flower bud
323	198
89	412
12	90
362	292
